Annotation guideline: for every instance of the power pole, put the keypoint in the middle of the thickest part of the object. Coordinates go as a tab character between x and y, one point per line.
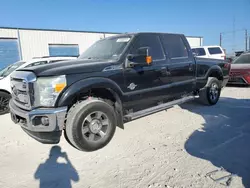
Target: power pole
220	39
249	44
246	38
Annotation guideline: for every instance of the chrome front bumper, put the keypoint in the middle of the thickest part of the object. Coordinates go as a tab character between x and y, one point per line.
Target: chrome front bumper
29	121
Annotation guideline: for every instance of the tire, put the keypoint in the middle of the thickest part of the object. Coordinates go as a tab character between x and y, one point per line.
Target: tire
90	124
210	94
4	102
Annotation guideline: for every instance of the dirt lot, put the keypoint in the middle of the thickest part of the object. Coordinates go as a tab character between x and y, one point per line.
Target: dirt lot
173	148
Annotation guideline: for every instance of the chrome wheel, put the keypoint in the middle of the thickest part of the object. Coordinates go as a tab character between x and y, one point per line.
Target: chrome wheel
95	126
214	92
4	105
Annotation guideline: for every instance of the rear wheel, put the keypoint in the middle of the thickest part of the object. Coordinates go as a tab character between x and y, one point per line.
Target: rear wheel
90	124
4	102
211	93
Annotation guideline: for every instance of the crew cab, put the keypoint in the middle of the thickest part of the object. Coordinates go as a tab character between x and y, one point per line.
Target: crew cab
5	89
116	80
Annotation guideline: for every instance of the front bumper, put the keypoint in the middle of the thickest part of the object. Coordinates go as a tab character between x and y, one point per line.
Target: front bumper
31	123
238	80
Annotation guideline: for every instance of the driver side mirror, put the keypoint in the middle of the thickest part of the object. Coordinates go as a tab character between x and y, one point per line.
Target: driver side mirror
141	58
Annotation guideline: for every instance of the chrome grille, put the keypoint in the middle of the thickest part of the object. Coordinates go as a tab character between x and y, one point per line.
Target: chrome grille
22	89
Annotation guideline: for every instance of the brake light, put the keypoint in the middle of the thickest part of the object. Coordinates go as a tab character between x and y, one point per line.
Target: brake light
227	65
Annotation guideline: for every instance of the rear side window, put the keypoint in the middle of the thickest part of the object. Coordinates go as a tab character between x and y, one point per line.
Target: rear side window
215	50
199	51
151	41
174	46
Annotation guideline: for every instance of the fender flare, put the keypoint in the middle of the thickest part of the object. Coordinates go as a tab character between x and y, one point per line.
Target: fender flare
214	68
84	85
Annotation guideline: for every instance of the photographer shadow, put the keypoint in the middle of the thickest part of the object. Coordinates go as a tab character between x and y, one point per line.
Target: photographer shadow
56	174
224	139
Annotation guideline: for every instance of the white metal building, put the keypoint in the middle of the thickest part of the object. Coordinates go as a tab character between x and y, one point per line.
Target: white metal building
26	43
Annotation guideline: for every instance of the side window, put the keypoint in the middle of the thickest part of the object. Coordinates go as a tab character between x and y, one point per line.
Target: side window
199	51
174	46
215	50
37	63
151	41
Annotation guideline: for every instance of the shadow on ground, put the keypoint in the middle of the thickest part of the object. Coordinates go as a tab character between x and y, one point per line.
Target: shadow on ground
56	174
225	138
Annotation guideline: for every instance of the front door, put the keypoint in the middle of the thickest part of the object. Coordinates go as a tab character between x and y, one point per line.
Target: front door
181	67
144	84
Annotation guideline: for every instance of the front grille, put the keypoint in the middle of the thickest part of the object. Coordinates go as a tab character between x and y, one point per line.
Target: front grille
22	89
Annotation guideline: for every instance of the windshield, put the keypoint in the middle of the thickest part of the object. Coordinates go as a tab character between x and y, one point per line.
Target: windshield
242	59
109	48
9	69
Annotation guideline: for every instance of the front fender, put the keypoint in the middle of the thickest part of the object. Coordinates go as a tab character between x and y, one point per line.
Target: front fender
82	86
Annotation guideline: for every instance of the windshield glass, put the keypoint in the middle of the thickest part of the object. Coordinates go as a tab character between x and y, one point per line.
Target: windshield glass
242	59
9	69
109	48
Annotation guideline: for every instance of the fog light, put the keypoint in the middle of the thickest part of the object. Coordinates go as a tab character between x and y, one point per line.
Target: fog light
45	121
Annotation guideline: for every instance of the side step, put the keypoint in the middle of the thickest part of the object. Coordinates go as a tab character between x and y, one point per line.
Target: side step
148	111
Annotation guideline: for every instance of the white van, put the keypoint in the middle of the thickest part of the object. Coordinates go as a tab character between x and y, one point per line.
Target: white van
213	52
5	73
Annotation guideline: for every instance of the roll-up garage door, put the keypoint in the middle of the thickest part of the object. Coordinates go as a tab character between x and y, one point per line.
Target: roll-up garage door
9	52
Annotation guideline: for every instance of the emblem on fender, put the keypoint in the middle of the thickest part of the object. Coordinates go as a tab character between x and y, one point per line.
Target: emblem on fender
132	86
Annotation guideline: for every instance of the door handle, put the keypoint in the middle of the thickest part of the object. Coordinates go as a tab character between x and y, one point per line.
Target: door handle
165	71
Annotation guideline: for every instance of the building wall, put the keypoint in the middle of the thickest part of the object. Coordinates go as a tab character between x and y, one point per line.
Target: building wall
35	43
8	33
195	41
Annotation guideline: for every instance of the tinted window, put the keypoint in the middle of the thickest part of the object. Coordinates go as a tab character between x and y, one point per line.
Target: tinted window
108	48
242	59
37	63
151	41
199	51
215	50
174	46
63	50
9	52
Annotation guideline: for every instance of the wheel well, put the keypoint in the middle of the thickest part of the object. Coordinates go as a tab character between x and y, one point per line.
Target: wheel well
104	93
216	74
2	90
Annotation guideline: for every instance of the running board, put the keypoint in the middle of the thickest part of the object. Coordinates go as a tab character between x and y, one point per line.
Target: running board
148	111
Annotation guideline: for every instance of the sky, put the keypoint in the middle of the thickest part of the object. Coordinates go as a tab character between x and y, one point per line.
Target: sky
206	18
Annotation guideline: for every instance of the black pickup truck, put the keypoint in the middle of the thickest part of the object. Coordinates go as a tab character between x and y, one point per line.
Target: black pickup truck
116	80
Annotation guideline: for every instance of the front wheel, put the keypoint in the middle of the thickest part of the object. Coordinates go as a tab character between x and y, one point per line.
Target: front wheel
4	102
211	93
90	124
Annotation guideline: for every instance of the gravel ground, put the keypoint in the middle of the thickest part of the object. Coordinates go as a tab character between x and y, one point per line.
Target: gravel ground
173	148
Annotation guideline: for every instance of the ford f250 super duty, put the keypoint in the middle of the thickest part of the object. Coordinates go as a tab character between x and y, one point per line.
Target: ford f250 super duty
116	80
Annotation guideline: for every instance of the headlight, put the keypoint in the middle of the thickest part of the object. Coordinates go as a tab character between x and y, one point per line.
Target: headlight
47	90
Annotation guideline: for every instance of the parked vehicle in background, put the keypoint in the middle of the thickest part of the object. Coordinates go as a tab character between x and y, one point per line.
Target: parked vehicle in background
5	88
240	70
116	80
212	52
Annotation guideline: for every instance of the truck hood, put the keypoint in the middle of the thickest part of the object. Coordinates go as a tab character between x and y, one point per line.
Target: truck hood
69	67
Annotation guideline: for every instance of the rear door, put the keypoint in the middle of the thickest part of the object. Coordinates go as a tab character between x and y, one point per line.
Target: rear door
181	64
